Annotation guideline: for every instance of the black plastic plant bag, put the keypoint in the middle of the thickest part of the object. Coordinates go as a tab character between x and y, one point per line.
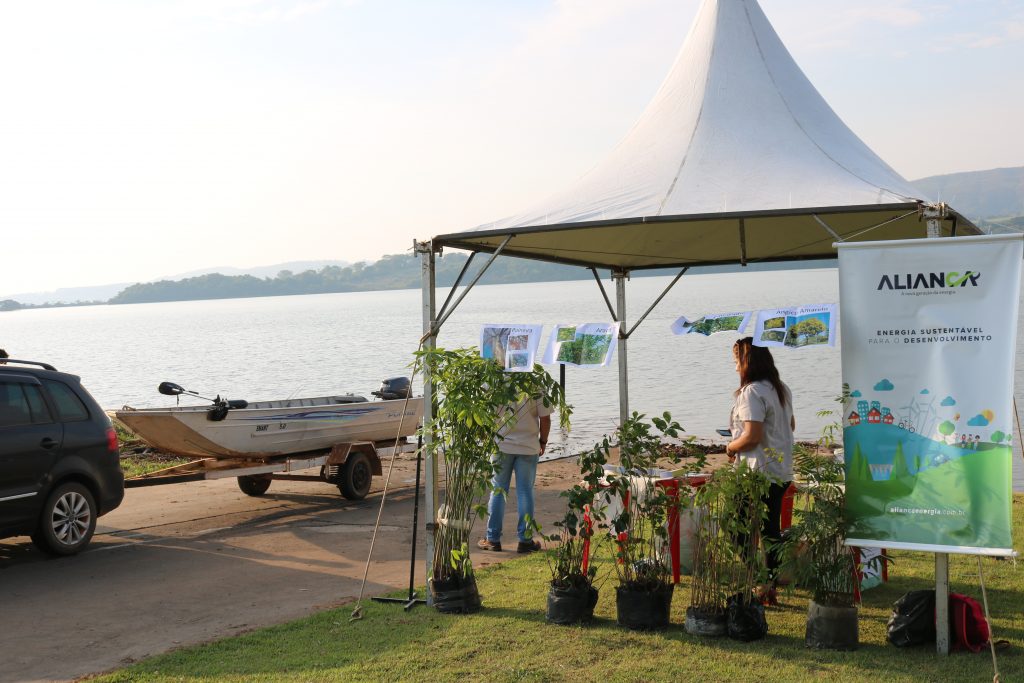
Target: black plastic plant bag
455	596
644	610
572	605
913	619
745	621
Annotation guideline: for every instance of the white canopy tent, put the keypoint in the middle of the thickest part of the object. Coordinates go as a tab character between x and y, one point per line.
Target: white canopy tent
737	159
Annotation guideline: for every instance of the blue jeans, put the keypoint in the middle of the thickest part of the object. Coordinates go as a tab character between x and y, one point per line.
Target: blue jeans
525	468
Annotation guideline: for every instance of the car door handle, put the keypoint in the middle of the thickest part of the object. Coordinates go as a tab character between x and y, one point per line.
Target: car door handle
47	443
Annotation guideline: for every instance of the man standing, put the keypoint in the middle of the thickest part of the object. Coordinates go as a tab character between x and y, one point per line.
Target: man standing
521	441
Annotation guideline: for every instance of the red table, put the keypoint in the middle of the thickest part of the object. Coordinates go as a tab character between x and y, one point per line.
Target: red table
672	487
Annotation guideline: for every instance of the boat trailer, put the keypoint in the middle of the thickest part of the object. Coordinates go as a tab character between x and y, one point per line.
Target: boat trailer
349	466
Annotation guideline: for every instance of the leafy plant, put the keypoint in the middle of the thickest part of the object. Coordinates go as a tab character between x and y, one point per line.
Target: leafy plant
727	558
639	527
583	514
834	428
812	550
473	394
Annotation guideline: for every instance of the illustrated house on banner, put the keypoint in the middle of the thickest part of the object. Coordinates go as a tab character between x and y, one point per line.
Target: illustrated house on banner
737	159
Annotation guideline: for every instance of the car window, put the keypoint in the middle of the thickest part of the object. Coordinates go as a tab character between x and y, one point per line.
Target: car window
14	409
69	407
36	404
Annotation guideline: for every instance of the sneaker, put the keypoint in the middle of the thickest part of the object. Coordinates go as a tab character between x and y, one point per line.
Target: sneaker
484	544
528	546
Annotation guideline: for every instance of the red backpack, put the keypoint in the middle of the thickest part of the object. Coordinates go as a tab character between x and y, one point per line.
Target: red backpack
967	624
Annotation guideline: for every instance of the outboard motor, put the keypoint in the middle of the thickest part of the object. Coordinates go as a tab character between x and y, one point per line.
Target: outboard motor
394	388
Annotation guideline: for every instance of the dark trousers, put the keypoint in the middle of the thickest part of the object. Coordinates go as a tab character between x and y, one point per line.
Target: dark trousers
771	530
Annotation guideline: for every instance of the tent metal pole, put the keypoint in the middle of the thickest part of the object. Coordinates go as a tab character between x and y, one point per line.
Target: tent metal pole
743	243
620	277
427	273
657	301
933	213
607	301
476	279
458	281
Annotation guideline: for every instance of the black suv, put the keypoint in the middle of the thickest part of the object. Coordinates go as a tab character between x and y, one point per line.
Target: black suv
59	464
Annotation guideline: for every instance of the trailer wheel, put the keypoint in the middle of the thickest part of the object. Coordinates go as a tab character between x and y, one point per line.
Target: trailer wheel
252	485
355	476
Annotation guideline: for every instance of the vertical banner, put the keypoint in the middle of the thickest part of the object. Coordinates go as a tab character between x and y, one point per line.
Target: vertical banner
514	347
929	335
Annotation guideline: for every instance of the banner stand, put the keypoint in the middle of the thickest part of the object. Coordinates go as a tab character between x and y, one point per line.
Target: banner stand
923	320
942	603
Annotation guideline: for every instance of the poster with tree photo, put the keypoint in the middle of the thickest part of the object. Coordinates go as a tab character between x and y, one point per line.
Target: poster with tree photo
587	345
797	327
708	325
514	347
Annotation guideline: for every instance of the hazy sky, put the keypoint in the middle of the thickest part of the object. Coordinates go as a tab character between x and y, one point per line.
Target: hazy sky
140	139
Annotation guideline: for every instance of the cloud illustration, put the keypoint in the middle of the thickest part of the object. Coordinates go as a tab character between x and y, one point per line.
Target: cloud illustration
884	385
978	421
948	401
925	391
855	394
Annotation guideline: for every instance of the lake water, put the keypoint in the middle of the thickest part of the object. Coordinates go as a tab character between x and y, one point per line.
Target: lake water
315	345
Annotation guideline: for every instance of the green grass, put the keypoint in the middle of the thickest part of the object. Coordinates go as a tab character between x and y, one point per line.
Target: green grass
135	465
137	458
509	641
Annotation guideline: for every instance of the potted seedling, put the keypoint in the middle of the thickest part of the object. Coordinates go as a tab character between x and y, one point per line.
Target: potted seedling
572	595
706	614
728	564
814	554
472	392
644	594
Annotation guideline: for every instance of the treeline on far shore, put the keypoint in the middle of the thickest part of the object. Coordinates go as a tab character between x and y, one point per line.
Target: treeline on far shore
397	271
12	305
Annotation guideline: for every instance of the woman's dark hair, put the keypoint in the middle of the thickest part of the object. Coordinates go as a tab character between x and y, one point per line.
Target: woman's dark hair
756	364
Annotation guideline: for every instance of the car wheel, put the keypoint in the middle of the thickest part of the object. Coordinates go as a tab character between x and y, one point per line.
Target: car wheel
67	521
253	485
355	477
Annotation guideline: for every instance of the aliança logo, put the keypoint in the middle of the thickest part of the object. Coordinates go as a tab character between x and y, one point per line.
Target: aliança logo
929	280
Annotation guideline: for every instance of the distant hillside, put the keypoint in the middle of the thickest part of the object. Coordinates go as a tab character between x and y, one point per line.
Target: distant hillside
258	271
979	195
397	271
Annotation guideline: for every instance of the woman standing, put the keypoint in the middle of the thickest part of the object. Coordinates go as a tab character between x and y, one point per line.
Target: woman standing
762	425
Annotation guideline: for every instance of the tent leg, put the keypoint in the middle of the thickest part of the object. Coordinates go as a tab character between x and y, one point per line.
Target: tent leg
620	277
426	252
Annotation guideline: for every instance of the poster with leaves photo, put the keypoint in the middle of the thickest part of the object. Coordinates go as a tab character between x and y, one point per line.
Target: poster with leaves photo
588	345
707	325
797	327
514	347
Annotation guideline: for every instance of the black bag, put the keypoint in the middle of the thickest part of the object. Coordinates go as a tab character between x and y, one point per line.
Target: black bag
745	621
571	605
456	595
913	619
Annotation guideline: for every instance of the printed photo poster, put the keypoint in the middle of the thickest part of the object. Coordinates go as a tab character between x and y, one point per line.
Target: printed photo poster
929	332
796	328
710	324
587	345
514	347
